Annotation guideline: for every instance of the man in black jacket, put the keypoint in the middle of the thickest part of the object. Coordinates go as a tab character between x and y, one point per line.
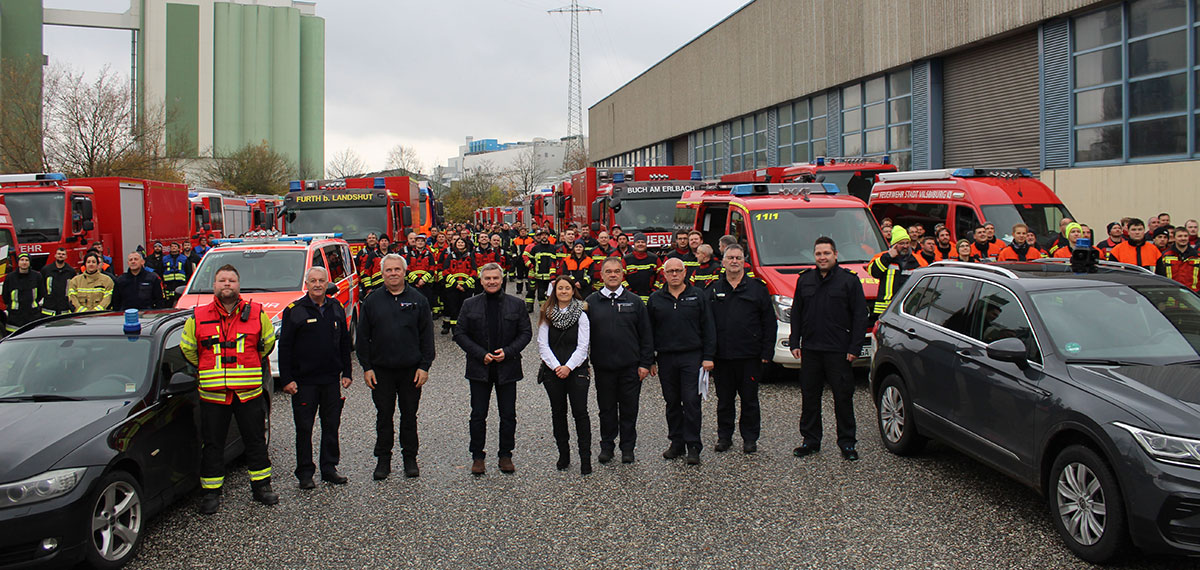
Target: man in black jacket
829	315
314	357
621	333
745	323
395	349
686	341
137	288
57	276
492	330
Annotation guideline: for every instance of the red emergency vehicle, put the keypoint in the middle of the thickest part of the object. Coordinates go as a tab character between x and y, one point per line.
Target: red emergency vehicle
228	215
8	251
778	224
264	212
645	207
540	208
355	207
131	212
588	197
853	176
964	198
47	213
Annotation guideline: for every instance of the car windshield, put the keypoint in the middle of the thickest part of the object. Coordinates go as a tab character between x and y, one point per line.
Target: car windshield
38	216
647	214
856	183
1149	324
259	270
353	223
48	368
785	237
1041	218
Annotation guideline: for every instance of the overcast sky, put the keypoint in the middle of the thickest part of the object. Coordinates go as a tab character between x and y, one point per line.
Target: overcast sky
428	73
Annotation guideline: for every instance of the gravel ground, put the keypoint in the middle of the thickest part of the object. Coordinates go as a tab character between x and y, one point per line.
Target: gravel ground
768	510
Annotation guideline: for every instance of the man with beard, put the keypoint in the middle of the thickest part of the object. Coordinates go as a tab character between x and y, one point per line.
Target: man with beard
57	277
928	252
1180	261
23	293
893	267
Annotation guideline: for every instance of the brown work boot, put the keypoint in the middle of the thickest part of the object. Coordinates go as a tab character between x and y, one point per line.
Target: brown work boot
506	465
477	467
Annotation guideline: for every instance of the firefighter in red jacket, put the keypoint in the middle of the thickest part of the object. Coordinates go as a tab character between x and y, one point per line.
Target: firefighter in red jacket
708	268
424	271
484	254
228	340
604	250
458	279
1181	261
642	269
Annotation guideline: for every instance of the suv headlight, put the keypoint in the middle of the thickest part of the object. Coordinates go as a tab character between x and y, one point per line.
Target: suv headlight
45	486
1167	448
783	307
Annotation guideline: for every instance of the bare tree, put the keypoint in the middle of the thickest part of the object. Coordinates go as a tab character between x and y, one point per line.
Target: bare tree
345	164
21	126
404	157
92	129
252	169
527	172
575	159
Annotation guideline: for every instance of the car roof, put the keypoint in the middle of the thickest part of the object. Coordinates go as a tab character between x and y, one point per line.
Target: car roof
100	324
1049	274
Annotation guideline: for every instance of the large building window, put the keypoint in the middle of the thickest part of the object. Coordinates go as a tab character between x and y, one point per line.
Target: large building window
710	151
802	130
877	118
748	142
1132	75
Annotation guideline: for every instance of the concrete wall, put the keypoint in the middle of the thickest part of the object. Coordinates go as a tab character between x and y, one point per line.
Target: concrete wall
1103	194
772	51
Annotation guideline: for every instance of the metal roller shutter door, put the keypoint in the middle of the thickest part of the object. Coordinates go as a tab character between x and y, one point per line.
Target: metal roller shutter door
990	105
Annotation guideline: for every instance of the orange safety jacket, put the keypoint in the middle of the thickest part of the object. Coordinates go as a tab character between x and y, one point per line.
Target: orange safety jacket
228	349
1030	253
578	270
1144	254
989	249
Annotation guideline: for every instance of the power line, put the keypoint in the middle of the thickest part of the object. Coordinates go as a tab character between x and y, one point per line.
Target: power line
574	84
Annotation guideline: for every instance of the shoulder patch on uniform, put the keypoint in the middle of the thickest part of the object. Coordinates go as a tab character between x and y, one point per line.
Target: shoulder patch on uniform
291	305
803	271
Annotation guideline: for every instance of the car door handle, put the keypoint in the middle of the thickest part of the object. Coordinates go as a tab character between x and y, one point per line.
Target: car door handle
912	332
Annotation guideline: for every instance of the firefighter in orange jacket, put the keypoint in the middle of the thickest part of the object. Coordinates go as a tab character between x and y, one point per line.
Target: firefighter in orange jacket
228	340
1136	250
1021	249
1181	261
578	268
983	247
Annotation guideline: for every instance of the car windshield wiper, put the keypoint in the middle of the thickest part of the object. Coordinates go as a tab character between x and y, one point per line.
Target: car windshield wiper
1105	361
257	290
42	398
32	232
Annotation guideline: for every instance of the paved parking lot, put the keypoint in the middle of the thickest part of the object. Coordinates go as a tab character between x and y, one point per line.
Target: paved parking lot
768	510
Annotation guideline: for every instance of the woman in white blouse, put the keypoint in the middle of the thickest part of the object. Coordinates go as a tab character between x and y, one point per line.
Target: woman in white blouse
563	338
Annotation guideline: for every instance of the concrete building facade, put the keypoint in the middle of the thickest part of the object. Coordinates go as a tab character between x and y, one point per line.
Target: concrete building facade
227	73
503	158
1099	97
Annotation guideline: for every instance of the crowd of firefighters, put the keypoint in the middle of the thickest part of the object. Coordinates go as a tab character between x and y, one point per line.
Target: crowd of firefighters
149	282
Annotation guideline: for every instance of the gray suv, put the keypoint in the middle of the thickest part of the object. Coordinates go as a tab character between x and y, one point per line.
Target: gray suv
1084	386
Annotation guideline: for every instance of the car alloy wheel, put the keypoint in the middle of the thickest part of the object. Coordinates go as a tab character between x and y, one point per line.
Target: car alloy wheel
1081	504
891	414
116	521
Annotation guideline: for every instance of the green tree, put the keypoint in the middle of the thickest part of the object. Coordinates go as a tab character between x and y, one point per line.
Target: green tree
252	169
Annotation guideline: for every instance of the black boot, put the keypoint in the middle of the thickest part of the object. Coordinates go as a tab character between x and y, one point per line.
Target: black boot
564	459
210	502
445	327
383	468
264	494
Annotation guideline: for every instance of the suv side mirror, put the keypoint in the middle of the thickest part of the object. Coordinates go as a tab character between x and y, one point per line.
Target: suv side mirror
181	383
1009	350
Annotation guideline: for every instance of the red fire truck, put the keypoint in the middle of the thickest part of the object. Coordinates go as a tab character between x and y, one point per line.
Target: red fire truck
355	207
8	252
264	212
853	176
540	207
589	199
220	214
132	212
777	225
47	213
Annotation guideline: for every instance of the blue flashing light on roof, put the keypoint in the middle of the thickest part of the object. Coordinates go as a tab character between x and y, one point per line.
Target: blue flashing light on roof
380	183
886	159
696	175
53	176
193	194
992	173
742	190
295	186
618	177
830	188
820	161
963	172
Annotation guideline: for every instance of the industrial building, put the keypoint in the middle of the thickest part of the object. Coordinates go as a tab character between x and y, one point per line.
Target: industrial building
1099	98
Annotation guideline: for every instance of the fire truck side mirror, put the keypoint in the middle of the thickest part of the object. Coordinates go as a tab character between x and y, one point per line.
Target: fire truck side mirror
205	217
406	216
207	226
88	225
85	209
597	213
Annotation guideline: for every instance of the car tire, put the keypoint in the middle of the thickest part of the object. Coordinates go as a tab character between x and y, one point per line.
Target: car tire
354	331
114	527
1086	504
894	415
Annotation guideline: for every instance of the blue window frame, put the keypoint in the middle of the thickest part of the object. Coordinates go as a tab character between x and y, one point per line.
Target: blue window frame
709	145
877	118
748	142
802	129
1134	72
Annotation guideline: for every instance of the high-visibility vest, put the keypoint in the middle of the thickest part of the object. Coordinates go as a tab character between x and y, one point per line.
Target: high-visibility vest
229	350
174	271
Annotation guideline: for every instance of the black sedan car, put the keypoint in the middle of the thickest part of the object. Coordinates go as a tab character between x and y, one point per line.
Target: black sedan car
100	431
1084	386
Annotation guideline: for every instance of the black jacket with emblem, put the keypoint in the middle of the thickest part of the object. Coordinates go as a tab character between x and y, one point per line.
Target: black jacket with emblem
744	319
829	313
141	291
395	331
684	323
620	331
314	346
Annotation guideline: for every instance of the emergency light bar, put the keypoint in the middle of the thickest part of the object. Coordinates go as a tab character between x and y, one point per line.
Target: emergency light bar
297	238
948	173
833	160
802	190
39	177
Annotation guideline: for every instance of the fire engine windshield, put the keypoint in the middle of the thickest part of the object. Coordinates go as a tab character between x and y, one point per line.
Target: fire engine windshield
1041	218
353	223
785	237
856	183
655	214
259	270
37	216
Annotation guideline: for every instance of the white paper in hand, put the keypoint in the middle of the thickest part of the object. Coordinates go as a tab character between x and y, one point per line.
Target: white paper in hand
703	384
